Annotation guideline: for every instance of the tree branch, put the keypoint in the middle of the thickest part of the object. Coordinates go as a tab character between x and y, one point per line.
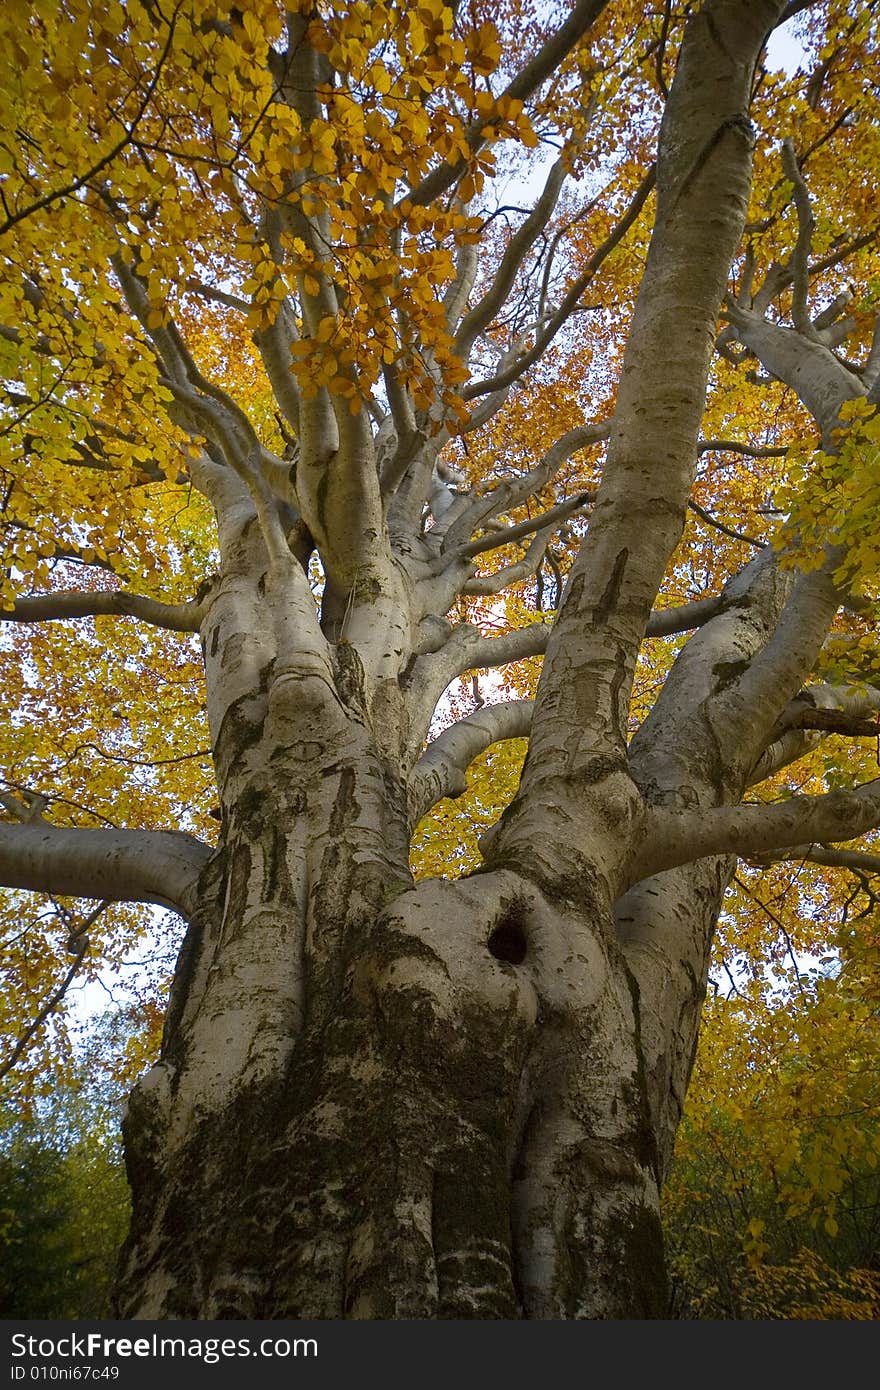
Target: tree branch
800	259
115	150
816	712
528	80
174	617
703	186
735	446
518	248
147	866
79	944
806	365
670	838
542	522
854	859
664	622
440	772
487	584
713	521
510	494
542	341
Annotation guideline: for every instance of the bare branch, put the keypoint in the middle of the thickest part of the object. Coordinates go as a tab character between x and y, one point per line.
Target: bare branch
793	8
513	493
451	653
147	866
231	301
542	522
670	838
464	650
831	721
805	364
522	569
703	181
440	772
174	617
816	712
274	343
800	259
28	810
79	945
736	446
720	526
520	244
854	859
871	372
570	302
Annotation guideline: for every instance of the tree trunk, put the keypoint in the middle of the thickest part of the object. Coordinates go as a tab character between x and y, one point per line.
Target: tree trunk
385	1100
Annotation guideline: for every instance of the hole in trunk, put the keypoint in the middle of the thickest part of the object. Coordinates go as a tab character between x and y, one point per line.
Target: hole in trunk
508	939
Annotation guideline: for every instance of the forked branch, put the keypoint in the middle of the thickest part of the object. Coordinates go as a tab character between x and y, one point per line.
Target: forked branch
671	838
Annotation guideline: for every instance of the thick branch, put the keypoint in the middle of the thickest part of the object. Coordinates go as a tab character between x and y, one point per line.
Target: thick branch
528	80
136	866
663	622
440	772
807	366
577	752
671	838
175	617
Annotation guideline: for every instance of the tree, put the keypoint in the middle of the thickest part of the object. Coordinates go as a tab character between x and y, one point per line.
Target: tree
286	372
63	1196
773	1204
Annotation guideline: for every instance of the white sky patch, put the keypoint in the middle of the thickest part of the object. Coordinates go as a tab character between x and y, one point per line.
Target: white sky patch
784	49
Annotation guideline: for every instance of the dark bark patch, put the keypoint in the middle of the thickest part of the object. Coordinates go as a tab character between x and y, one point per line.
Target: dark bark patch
241	728
349	677
603	765
507	940
726	672
611	592
617	683
344	807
